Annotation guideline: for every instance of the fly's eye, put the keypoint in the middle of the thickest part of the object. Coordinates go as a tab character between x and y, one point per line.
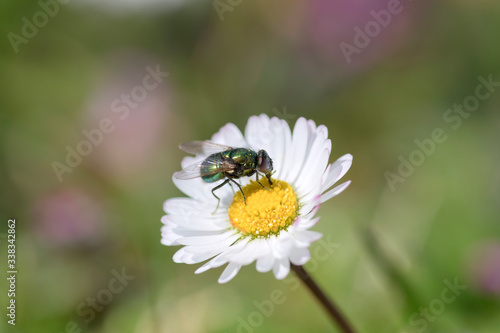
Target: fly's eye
264	162
263	165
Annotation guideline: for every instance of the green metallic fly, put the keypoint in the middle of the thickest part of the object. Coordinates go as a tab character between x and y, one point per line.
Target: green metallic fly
225	163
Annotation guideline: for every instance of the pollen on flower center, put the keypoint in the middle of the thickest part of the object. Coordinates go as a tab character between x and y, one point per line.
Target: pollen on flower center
268	210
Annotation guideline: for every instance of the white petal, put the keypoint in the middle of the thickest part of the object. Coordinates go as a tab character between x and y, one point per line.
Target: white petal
248	254
300	139
304	238
280	142
219	246
169	236
316	154
284	158
201	191
311	205
315	204
276	148
222	258
181	256
311	125
258	132
274	136
194	223
206	239
203	268
194	188
172	233
266	261
314	167
336	190
307	223
299	256
323	129
178	205
199	257
184	233
193	210
281	245
281	268
218	261
195	217
265	264
229	273
213	263
230	135
336	171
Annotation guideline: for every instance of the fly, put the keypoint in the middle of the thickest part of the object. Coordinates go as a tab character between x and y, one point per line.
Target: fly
225	163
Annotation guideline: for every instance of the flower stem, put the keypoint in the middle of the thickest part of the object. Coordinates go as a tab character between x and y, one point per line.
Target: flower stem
329	306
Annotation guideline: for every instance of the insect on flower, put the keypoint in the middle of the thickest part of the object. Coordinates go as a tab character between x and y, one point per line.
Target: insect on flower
227	163
271	228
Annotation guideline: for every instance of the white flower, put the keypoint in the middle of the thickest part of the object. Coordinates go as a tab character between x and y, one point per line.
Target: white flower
273	227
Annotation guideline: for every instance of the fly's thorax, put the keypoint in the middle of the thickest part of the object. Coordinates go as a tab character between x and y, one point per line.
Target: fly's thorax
242	160
245	158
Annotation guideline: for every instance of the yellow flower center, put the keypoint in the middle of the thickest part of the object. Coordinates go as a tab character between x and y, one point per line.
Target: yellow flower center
267	211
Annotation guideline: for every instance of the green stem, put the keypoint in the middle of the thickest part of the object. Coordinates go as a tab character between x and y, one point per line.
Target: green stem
329	306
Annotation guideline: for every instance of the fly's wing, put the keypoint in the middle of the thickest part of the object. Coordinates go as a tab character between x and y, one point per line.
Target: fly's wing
202	147
194	170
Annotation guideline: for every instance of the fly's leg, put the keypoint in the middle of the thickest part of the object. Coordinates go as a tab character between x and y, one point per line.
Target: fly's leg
215	188
244	198
231	186
268	176
257	178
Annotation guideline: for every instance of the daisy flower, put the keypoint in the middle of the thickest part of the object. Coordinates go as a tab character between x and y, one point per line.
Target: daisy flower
273	226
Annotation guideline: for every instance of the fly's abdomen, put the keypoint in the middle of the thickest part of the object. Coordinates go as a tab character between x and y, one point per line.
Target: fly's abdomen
210	168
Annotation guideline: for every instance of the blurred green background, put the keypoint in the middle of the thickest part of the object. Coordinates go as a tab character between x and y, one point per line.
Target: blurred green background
227	60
